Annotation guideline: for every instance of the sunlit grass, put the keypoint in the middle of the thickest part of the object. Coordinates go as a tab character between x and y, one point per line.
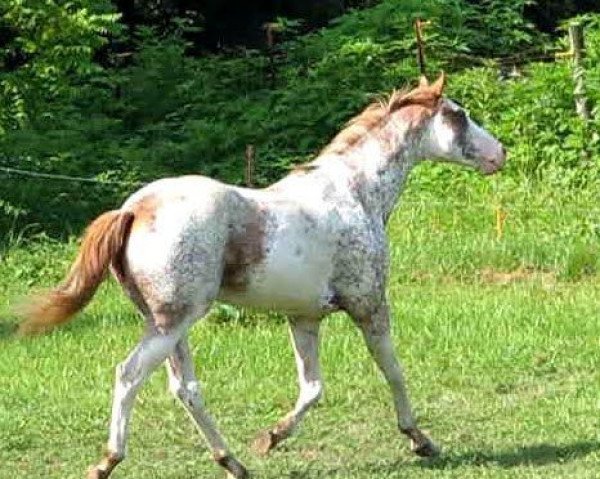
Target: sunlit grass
500	338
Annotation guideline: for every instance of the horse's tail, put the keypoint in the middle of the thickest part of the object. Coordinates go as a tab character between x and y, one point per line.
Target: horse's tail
102	244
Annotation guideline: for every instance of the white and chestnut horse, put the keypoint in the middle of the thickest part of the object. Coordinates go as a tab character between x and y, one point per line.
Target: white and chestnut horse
308	245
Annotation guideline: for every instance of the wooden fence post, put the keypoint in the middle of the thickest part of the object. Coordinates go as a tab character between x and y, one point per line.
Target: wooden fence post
249	171
270	29
578	50
419	24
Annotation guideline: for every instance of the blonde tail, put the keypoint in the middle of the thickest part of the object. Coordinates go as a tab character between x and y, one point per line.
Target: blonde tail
102	243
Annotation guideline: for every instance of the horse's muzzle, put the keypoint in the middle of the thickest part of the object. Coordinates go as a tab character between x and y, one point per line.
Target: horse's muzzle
492	164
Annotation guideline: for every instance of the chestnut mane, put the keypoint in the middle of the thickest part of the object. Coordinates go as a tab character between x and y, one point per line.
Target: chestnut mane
375	116
377	113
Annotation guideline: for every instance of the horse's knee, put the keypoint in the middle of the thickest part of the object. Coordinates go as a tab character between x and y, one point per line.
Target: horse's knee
129	373
125	381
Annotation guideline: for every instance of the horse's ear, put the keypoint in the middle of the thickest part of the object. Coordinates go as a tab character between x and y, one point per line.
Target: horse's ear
423	81
438	86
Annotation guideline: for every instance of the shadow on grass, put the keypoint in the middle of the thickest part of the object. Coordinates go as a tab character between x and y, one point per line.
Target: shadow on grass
7	330
534	455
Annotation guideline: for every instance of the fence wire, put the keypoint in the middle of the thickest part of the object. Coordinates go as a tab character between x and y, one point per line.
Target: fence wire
499	203
52	176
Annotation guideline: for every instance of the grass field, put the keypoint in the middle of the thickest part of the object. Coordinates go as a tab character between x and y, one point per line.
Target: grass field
500	337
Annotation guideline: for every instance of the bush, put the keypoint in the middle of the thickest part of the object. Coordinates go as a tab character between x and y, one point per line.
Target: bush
164	112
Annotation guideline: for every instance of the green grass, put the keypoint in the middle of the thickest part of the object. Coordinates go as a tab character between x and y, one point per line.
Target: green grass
500	339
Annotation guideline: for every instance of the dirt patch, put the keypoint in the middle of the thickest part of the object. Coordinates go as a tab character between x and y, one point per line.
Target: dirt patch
489	276
493	276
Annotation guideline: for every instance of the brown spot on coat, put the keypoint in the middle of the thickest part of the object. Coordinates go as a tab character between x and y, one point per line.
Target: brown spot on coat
144	211
168	315
162	316
246	246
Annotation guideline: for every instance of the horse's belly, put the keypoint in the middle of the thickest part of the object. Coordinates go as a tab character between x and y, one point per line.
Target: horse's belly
290	283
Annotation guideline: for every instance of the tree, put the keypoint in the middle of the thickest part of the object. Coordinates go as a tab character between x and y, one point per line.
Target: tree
46	46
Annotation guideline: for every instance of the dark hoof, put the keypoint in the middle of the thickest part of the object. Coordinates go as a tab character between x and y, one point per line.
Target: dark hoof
264	442
95	473
420	444
425	449
234	468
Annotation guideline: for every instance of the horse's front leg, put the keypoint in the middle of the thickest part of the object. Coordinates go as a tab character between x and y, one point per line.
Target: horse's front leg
305	339
376	332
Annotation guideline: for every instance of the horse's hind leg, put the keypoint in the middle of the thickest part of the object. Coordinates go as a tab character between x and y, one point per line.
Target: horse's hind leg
130	375
305	339
185	386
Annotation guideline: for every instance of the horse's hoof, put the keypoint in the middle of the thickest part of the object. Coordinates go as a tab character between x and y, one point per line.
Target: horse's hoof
420	444
243	475
235	470
426	448
264	442
95	473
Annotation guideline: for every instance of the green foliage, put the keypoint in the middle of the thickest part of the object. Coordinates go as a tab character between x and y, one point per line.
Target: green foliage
502	374
455	281
55	42
165	112
535	118
499	27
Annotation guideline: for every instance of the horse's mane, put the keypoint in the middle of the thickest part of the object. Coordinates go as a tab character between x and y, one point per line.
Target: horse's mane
374	116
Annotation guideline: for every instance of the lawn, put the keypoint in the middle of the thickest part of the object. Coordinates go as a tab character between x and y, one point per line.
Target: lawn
499	335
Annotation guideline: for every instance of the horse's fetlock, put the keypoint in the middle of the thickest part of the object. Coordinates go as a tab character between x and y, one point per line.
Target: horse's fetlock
284	428
106	465
313	393
318	394
412	432
230	464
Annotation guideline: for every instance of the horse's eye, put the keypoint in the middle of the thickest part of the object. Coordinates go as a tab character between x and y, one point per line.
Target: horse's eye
457	118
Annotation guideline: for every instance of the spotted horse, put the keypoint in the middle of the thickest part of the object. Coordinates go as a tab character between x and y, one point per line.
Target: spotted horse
310	244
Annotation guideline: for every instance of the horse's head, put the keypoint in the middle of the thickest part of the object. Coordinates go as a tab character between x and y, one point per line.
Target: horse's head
450	135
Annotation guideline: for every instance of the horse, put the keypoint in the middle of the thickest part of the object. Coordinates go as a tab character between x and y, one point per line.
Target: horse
308	245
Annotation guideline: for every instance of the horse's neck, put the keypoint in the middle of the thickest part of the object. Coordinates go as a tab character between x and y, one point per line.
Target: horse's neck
378	169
